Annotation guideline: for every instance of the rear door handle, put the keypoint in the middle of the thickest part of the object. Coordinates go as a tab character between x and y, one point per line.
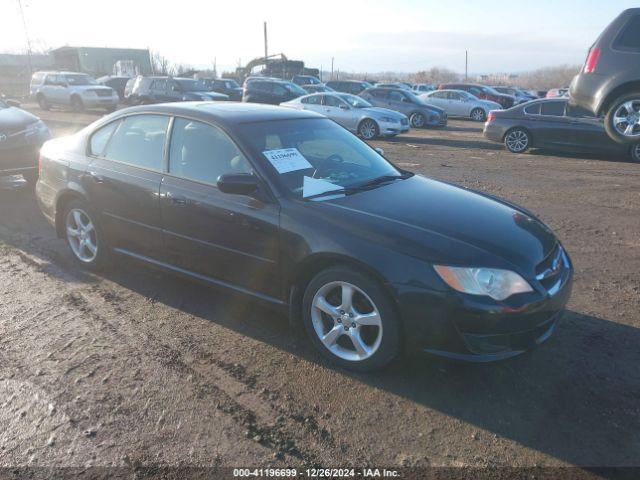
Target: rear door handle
178	200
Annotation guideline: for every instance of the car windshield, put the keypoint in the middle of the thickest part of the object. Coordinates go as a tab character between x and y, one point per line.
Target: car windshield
414	98
491	91
188	85
292	87
79	80
231	84
315	156
355	102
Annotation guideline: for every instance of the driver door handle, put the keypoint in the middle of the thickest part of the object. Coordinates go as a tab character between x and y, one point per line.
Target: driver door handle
95	177
177	200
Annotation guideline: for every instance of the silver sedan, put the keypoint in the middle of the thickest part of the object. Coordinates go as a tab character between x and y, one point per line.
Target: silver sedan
458	103
353	113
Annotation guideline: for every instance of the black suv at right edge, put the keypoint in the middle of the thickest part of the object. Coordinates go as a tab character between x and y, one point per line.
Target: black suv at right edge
609	83
271	91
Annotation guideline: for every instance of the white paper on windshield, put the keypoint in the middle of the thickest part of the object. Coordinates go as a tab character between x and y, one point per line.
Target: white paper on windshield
287	160
315	186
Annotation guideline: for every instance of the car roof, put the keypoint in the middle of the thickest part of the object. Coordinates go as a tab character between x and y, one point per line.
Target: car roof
224	113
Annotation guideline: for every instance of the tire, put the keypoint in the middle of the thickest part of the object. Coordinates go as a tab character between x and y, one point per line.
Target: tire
31	178
626	106
478	115
365	346
42	102
517	140
634	153
368	129
417	120
77	105
78	214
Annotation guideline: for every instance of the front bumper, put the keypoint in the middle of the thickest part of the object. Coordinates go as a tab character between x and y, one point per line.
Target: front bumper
388	128
100	102
470	328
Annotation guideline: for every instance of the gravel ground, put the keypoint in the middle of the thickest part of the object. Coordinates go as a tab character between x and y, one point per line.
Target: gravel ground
137	367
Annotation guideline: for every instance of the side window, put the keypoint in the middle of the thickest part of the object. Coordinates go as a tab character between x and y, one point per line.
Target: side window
629	38
139	141
159	85
533	109
312	100
553	109
203	152
475	91
379	93
99	139
331	101
395	96
454	96
278	89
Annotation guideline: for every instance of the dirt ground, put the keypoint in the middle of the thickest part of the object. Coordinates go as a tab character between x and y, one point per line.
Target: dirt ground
137	367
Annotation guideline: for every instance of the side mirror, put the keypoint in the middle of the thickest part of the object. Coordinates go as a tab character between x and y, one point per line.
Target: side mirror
13	103
238	183
344	107
380	151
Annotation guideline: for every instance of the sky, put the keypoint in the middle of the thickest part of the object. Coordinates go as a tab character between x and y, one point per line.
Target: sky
502	36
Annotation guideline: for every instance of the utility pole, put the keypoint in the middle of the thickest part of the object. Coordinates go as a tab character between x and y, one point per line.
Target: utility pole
26	34
266	53
215	67
332	68
466	65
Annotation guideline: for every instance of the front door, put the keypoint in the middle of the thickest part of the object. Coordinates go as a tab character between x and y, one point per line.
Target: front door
232	239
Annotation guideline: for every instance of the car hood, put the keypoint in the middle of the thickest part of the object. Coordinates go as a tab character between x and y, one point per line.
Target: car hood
431	107
82	88
491	105
13	120
438	222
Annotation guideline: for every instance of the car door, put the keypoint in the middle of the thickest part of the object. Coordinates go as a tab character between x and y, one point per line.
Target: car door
552	127
337	110
395	101
53	89
457	104
438	99
232	239
123	181
587	131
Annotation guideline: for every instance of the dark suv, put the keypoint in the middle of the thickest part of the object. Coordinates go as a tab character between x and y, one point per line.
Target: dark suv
148	90
609	83
354	87
481	91
226	86
270	91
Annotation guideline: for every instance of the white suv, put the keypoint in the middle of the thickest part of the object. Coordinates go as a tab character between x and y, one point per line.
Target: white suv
77	90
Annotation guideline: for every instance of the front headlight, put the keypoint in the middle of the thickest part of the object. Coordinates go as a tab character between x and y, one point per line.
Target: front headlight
36	127
493	282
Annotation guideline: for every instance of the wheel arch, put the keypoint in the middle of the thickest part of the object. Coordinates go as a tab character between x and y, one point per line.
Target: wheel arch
314	264
617	92
61	203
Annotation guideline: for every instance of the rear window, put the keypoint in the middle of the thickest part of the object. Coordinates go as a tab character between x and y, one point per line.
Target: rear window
629	38
553	109
533	109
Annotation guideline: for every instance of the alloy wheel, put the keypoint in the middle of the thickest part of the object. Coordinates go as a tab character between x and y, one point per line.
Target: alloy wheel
517	141
417	120
626	119
368	129
478	115
82	235
346	321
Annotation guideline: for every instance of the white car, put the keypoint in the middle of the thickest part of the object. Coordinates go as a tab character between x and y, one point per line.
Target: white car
353	113
71	89
458	103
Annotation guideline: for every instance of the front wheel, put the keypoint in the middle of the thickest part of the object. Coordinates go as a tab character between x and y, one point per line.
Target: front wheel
368	129
84	236
42	102
77	105
517	140
351	320
622	121
478	115
417	120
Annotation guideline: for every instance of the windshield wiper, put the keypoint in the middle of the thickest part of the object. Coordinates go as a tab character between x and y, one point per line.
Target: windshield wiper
362	187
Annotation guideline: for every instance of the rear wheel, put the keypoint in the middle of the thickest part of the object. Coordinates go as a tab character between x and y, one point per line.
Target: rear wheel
517	140
350	319
84	236
478	115
635	153
622	120
77	105
417	120
368	129
42	102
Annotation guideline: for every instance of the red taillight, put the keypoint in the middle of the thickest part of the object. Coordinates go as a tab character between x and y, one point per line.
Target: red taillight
592	60
491	117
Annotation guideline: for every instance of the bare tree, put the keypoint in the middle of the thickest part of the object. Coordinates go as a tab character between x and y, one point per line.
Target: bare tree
435	76
547	78
159	64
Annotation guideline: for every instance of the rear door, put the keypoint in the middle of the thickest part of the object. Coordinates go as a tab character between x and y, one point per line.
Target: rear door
587	131
552	128
456	104
338	111
230	238
123	181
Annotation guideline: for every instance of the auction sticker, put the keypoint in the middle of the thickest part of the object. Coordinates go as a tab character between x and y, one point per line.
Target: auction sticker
287	160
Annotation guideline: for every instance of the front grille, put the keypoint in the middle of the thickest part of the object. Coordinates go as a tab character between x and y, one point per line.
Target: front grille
549	271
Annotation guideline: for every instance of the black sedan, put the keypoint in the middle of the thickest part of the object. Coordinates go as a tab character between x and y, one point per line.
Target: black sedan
21	136
554	124
289	208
